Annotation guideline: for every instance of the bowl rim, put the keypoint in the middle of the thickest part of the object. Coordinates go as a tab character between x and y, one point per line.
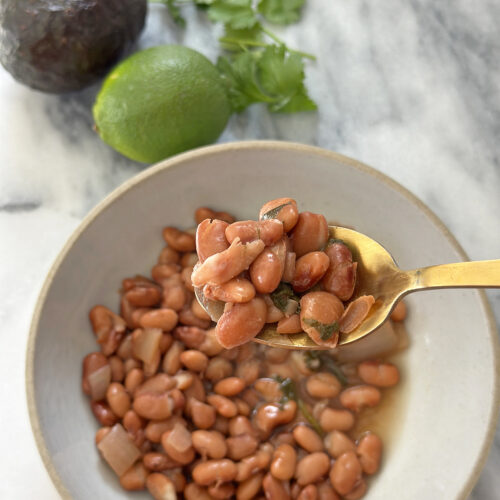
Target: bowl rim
215	150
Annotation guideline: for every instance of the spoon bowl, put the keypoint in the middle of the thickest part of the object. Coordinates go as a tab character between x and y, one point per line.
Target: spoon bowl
377	275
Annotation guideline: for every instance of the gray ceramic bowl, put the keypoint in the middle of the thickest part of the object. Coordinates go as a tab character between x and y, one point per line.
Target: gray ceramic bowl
449	398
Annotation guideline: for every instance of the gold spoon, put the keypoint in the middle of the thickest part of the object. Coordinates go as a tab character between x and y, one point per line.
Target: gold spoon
378	275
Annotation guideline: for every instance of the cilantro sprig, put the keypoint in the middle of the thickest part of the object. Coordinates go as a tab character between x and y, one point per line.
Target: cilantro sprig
289	391
259	67
320	360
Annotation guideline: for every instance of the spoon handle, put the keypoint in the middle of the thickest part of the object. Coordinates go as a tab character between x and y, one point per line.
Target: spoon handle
479	274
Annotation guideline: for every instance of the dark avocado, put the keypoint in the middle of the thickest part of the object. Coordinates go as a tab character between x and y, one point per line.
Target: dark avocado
65	45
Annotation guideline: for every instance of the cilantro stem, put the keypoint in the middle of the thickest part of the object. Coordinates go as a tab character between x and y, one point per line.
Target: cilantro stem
279	41
254	43
307	415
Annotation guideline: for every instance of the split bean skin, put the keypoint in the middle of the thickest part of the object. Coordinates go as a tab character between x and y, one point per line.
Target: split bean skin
340	277
208	421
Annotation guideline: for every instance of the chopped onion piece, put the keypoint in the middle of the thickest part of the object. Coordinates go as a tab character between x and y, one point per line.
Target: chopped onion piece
180	438
99	382
118	449
146	344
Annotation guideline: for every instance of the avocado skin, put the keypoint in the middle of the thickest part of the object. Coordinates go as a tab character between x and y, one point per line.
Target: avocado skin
64	45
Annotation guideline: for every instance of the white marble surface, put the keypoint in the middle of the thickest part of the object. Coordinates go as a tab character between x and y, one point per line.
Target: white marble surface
411	88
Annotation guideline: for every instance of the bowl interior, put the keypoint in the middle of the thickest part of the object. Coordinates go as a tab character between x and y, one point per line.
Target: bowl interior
449	370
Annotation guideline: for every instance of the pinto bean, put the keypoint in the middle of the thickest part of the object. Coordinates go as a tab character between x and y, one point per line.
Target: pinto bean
378	374
323	385
153	406
369	452
289	325
241	425
340	278
268	388
310	234
226	265
241	322
203	213
337	443
248	370
230	386
155	428
196	492
108	327
168	256
174	296
212	471
309	269
269	416
118	399
360	396
248	489
218	368
180	241
258	461
310	492
235	290
211	238
103	413
160	487
358	491
157	462
101	433
282	209
307	438
117	369
171	363
275	489
223	405
345	473
95	363
326	492
194	360
209	443
134	479
161	272
283	462
355	313
203	415
332	419
321	308
266	271
269	231
133	380
165	319
311	468
222	491
143	296
242	446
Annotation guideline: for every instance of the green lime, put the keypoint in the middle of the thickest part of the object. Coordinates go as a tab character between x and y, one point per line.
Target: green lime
161	101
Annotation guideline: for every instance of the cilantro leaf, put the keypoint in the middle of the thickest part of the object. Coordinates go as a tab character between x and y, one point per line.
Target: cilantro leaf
281	75
240	77
282	295
237	14
299	102
245	34
289	391
326	331
281	11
